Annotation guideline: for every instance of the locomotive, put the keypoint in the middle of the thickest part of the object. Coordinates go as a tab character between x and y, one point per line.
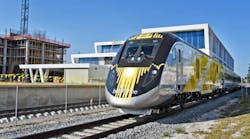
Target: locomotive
157	70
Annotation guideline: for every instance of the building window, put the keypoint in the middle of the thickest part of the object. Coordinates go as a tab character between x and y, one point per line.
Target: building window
220	50
195	38
89	60
76	60
115	48
108	48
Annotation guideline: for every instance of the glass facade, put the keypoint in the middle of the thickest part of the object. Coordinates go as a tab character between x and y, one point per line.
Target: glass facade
195	38
89	60
108	48
219	51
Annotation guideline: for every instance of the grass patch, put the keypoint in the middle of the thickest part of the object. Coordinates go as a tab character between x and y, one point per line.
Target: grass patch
237	120
247	133
224	130
181	131
166	134
200	132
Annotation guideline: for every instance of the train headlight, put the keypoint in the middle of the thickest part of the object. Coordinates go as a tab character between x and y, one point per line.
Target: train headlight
154	72
150	78
129	72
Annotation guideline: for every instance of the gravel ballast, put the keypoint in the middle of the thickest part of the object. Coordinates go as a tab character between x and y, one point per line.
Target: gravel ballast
54	122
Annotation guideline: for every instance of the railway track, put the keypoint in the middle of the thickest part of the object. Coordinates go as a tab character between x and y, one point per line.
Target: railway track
104	127
10	114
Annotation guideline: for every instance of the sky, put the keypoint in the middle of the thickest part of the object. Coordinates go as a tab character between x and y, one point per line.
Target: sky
83	22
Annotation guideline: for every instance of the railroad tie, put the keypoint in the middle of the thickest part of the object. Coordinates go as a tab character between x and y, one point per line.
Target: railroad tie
92	131
83	134
109	126
125	122
70	137
116	124
100	128
129	120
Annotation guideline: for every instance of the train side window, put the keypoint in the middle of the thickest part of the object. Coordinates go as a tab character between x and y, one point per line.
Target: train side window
179	55
197	68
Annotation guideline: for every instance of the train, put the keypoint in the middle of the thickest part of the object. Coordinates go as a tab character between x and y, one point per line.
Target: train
154	71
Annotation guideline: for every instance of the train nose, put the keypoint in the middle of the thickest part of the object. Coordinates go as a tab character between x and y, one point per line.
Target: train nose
149	99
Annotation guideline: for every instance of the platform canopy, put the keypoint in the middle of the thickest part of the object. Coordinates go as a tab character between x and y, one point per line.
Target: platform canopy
39	68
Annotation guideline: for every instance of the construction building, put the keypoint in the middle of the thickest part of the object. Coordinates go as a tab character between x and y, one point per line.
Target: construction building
18	49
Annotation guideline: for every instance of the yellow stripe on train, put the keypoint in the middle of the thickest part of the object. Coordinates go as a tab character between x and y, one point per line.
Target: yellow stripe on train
128	77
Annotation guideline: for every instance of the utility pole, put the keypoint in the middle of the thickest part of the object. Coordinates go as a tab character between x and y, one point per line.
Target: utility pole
24	27
24	17
248	74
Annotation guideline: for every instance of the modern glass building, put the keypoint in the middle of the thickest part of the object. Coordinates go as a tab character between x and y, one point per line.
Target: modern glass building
199	36
104	53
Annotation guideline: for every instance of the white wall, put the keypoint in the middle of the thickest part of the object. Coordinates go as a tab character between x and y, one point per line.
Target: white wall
76	76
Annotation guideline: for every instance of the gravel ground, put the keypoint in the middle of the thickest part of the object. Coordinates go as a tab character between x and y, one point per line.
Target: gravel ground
183	125
48	123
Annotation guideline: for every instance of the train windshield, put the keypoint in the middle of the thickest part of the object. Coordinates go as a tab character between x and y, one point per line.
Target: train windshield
139	52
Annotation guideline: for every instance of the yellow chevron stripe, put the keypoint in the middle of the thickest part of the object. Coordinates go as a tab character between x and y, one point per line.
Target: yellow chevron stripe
128	77
199	67
212	74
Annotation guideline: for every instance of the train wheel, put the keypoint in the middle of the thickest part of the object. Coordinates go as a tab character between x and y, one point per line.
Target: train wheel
182	105
199	97
212	95
182	102
165	109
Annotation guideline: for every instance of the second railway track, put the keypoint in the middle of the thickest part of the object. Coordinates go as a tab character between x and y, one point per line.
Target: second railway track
9	114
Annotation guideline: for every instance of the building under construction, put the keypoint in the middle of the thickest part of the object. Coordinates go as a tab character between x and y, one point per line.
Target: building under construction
26	49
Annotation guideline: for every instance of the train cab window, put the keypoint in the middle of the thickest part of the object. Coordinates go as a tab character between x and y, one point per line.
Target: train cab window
147	50
139	52
131	51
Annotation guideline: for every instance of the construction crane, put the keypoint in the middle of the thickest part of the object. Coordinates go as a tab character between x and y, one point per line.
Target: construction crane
24	17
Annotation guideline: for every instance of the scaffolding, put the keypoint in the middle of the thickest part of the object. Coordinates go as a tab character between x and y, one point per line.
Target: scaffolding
27	49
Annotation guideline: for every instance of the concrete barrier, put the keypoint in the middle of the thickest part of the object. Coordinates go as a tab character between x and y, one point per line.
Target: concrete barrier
30	96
